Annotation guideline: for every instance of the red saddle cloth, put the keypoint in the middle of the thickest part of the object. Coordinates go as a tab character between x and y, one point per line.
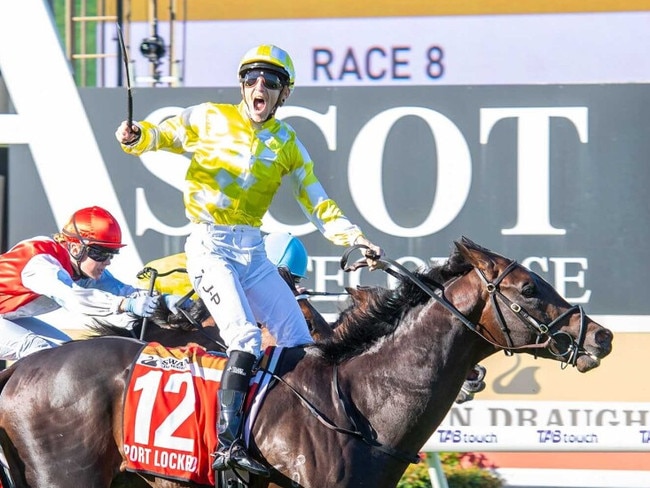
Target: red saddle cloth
170	410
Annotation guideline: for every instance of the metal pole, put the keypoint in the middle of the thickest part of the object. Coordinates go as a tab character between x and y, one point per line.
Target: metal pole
436	474
172	19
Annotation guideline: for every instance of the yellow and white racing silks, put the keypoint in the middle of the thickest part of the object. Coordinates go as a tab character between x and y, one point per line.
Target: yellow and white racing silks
236	168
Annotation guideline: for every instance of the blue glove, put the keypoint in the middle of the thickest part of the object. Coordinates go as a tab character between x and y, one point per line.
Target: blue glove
142	305
172	302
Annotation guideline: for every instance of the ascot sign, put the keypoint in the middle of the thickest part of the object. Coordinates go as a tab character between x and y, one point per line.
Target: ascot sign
454	167
62	144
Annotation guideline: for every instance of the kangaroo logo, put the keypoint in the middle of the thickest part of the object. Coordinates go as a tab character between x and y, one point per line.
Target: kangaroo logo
522	382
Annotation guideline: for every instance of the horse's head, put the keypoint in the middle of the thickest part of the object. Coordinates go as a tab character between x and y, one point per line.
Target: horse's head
521	311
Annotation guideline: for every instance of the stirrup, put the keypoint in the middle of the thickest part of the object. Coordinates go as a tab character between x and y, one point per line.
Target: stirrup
240	458
237	456
220	461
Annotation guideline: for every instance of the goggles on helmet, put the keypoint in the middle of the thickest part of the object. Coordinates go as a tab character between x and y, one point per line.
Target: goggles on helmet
272	80
100	254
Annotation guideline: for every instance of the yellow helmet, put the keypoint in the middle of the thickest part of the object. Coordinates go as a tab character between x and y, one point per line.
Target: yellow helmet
272	58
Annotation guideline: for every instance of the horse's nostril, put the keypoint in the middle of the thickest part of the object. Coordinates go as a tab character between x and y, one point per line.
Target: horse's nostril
604	338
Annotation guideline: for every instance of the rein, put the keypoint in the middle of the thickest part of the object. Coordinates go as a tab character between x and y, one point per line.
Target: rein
354	432
400	272
196	324
311	293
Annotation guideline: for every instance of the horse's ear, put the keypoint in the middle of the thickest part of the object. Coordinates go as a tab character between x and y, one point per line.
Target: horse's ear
468	242
465	246
478	256
354	293
360	293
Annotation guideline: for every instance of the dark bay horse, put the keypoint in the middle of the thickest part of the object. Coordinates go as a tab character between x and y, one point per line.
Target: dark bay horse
376	390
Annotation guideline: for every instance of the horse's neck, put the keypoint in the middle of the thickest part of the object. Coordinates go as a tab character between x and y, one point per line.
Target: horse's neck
405	385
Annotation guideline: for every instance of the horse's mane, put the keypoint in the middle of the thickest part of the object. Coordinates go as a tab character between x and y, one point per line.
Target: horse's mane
102	328
359	326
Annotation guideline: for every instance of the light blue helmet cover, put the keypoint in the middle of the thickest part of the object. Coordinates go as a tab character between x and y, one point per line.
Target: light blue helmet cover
283	249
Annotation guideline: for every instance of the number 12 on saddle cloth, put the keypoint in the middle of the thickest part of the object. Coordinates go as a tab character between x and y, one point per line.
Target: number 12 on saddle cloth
170	411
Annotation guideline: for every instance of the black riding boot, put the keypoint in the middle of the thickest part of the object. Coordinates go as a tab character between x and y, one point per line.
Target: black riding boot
231	452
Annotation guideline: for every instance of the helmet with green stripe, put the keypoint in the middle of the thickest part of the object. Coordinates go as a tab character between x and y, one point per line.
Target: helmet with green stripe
270	57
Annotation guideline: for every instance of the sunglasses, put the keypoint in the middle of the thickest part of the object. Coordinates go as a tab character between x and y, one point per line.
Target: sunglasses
100	254
271	80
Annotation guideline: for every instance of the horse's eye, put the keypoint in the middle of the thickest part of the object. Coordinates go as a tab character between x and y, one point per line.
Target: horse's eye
529	290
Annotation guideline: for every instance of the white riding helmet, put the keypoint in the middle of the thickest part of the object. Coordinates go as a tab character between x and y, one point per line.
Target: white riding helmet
283	249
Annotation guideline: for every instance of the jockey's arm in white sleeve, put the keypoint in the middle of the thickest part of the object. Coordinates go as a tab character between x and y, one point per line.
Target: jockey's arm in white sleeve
44	275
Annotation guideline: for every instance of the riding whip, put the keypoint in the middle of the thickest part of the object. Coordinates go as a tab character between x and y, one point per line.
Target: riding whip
153	275
129	94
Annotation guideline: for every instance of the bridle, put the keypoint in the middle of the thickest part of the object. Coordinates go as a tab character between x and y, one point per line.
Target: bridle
547	337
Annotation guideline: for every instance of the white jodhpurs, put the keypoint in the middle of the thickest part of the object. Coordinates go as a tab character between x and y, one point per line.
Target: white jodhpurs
24	336
229	270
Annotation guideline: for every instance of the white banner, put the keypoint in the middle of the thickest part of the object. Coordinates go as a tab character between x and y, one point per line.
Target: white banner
544	426
563	48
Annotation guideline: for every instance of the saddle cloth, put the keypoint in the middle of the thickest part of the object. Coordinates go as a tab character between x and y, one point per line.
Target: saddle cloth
170	410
